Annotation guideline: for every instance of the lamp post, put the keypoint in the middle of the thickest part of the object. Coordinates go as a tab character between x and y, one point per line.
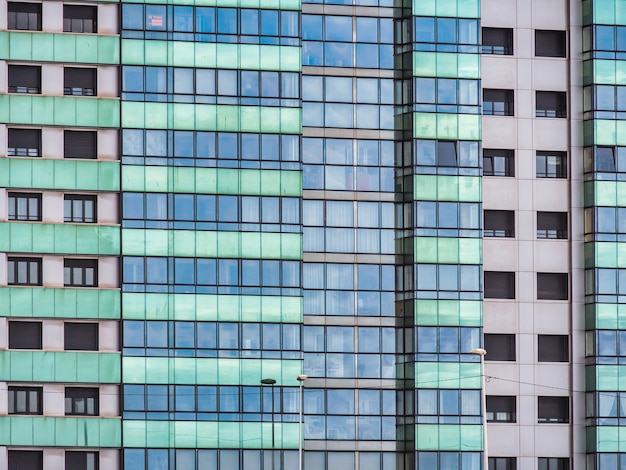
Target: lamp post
301	378
482	353
271	382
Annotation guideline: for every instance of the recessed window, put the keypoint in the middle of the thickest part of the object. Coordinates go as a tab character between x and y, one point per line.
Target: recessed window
80	273
552	225
553	409
75	460
25	460
552	286
80	208
25	206
500	409
553	348
550	43
80	144
81	401
24	335
79	81
25	79
551	104
80	19
24	143
497	41
502	463
604	159
24	271
498	102
500	347
25	400
24	16
553	463
81	336
498	162
551	165
499	285
499	223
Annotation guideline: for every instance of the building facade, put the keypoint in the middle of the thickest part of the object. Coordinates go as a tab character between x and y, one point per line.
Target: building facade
202	200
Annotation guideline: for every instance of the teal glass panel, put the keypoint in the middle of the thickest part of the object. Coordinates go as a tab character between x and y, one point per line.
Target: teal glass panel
447	188
449	8
48	366
60	111
59	238
448	312
73	175
448	250
211	55
266	4
66	47
208	117
605	255
446	126
446	64
610	438
211	181
451	437
605	193
48	431
187	370
610	377
448	375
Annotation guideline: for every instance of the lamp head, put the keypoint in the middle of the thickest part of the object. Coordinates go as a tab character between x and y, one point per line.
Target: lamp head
268	382
479	352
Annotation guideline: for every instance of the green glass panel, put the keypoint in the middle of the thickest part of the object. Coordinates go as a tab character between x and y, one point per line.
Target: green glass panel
446	126
610	439
451	437
226	371
610	377
448	250
48	366
211	55
59	238
37	173
447	188
48	431
210	181
446	65
265	4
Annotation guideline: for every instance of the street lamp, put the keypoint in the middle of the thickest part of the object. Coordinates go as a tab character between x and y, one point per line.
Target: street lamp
482	353
271	382
301	378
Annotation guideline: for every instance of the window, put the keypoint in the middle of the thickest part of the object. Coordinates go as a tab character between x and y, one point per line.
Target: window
553	463
500	409
550	43
552	225
80	144
80	208
551	104
25	206
498	41
25	79
80	19
79	81
499	285
499	224
498	102
553	409
25	460
551	165
24	271
552	286
82	460
24	335
80	272
81	401
81	336
502	463
24	143
24	16
25	400
498	162
500	347
553	348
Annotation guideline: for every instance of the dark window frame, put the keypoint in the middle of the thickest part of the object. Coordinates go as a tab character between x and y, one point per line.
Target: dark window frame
25	459
80	144
76	19
551	164
77	398
80	81
27	392
552	286
20	14
550	104
78	337
552	225
69	273
20	142
552	348
500	347
24	79
498	102
498	41
502	463
501	408
553	409
31	214
26	337
544	43
79	217
492	156
499	285
499	223
15	264
553	463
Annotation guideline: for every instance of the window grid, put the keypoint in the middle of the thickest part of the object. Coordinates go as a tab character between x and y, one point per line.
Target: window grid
80	401
25	400
24	271
79	208
80	273
25	207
